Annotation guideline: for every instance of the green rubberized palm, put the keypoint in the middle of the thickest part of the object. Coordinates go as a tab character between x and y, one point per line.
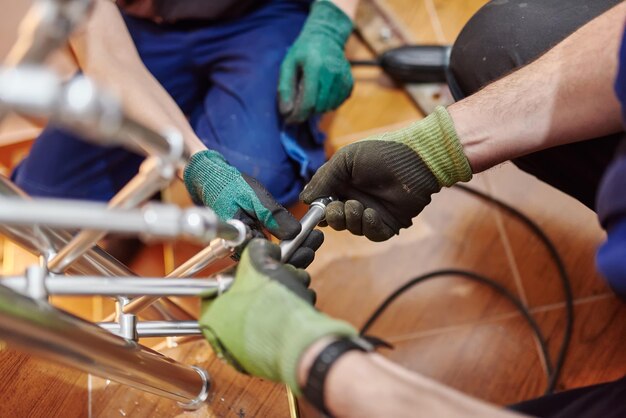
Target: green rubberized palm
265	321
315	76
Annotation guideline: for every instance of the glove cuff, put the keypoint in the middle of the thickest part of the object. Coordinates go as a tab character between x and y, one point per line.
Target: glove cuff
331	20
436	142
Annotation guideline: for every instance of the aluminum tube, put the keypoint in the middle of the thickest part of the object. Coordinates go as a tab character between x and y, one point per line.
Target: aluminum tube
115	286
40	241
147	329
315	215
72	214
151	221
43	330
33	238
151	141
218	249
149	180
85	108
46	27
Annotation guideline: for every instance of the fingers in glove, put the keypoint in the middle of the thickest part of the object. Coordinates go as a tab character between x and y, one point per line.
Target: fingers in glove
342	85
374	228
325	98
265	255
302	257
275	218
333	178
354	216
336	216
314	240
298	274
287	85
321	185
307	94
305	254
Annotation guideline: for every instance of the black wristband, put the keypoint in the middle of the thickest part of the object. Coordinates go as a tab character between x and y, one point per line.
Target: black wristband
314	388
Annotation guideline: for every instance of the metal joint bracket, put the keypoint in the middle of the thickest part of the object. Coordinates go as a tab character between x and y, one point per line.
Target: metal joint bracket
36	282
315	215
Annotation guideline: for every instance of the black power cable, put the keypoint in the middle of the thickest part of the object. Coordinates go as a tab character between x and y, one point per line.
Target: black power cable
553	372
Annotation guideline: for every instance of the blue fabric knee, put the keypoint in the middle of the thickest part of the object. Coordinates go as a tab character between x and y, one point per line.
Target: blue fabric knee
61	165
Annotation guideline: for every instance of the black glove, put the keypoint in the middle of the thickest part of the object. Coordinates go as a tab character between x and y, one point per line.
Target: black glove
383	182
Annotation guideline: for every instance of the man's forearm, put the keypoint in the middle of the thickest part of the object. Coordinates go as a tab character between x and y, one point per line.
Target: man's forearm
106	53
564	96
364	384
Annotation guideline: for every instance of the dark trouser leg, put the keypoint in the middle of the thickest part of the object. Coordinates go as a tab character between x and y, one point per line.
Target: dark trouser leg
239	117
505	35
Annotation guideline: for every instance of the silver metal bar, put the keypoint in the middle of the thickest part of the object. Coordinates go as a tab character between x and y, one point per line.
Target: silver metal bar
171	143
147	329
45	241
153	175
46	26
83	107
115	286
43	330
152	221
218	249
315	215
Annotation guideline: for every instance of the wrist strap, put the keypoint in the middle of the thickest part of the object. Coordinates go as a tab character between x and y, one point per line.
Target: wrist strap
314	388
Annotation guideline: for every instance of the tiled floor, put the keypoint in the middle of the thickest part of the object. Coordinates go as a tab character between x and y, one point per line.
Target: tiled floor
458	332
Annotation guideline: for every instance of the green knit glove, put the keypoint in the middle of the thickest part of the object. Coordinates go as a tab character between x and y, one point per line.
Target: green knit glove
265	321
211	181
384	181
315	75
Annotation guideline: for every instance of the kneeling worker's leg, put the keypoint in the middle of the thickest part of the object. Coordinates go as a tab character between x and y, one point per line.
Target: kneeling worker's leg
62	165
505	35
239	117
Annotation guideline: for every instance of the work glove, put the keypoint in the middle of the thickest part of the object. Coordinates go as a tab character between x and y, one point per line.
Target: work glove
384	181
315	75
263	324
212	182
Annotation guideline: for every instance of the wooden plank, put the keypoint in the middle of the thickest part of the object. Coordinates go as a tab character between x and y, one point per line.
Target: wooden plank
381	31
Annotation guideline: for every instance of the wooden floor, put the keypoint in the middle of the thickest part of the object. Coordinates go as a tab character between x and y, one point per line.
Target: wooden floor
455	331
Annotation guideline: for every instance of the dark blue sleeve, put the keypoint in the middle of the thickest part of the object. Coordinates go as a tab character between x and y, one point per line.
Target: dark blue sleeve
611	205
611	257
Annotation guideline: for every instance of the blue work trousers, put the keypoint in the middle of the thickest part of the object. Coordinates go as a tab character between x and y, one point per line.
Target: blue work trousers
224	77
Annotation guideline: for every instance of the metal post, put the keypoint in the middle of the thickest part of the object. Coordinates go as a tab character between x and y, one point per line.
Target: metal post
42	241
218	249
153	175
315	215
45	27
81	106
45	241
32	286
148	329
152	221
43	330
